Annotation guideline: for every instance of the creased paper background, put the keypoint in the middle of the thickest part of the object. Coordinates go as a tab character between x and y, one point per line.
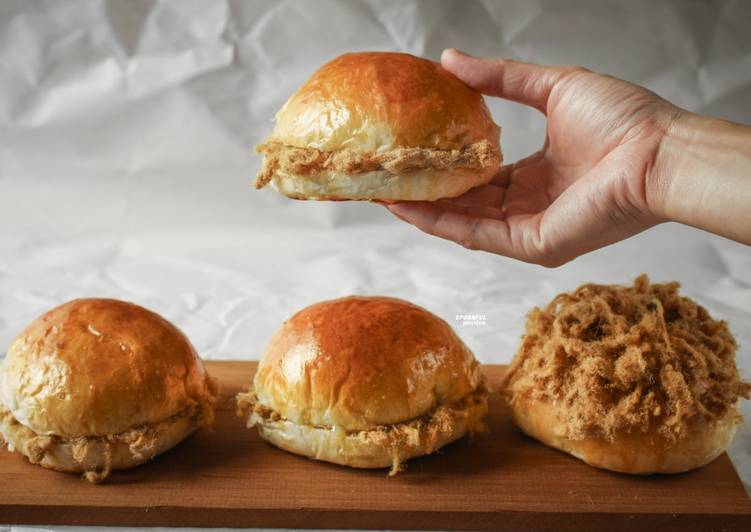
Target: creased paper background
126	131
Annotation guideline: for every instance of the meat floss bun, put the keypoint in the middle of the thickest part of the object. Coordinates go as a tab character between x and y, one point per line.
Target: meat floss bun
384	127
367	382
632	379
98	384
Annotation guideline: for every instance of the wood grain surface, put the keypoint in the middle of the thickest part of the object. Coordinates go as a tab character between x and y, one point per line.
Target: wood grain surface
503	480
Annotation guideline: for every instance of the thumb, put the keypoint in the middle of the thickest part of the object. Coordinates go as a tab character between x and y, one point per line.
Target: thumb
525	83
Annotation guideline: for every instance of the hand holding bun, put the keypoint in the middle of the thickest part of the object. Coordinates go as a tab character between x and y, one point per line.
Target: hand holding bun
384	127
367	382
617	159
98	384
636	380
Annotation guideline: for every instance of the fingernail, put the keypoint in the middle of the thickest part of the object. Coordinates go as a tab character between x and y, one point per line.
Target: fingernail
448	52
457	52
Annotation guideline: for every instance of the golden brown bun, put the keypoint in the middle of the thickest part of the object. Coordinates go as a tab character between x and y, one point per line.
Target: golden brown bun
97	367
378	101
100	384
638	453
359	366
638	379
381	126
361	362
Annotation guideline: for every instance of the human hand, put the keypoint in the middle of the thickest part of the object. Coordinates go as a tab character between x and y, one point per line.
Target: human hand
594	181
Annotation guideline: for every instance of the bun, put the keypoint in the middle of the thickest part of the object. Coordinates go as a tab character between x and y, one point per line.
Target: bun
100	384
365	382
635	452
381	126
633	379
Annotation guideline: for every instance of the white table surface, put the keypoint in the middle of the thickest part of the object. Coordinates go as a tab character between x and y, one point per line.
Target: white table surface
125	162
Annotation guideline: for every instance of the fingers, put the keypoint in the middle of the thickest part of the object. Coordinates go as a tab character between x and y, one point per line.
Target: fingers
525	83
506	173
469	231
518	240
503	177
472	210
482	196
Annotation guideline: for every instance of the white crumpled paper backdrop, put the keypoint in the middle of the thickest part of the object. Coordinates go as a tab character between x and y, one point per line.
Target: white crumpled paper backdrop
126	131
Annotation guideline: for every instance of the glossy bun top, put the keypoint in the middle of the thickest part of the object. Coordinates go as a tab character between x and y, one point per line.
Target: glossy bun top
359	362
95	367
379	101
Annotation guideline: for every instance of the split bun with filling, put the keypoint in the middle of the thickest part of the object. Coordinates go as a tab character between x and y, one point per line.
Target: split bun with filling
367	382
383	127
96	385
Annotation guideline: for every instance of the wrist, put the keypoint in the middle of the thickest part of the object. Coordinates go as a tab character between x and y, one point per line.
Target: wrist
701	175
660	176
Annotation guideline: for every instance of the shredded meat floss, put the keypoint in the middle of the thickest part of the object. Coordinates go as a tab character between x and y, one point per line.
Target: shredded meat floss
628	359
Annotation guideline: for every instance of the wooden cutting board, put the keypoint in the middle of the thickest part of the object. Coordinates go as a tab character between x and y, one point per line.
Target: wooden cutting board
500	481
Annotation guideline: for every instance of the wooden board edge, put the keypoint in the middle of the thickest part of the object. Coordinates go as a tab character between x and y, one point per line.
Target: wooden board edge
170	516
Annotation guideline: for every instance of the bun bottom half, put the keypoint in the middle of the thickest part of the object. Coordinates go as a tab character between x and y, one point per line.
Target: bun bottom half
381	447
95	457
381	185
638	453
